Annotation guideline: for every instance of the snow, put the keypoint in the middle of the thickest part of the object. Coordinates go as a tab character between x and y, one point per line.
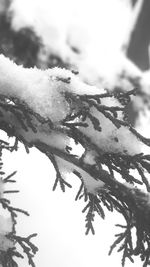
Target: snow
143	127
5	243
5	228
66	170
98	62
41	90
1	188
75	23
91	184
111	138
145	82
5	225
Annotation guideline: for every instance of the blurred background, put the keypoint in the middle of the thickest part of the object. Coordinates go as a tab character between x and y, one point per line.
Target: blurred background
108	43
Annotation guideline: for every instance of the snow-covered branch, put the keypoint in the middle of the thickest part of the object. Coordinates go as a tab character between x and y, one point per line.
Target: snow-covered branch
58	113
54	106
79	121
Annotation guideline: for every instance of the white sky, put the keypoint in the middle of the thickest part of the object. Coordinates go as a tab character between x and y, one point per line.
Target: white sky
55	216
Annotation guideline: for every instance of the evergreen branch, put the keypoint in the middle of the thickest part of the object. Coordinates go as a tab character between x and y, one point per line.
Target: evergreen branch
106	111
144	179
28	247
95	122
79	192
7	179
109	94
59	179
126	246
92	207
15	146
125	199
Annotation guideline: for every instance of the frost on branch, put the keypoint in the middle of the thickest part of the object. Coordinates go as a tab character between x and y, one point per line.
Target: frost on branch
58	114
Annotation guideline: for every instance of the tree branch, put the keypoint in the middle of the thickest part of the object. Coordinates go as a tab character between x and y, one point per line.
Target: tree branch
50	109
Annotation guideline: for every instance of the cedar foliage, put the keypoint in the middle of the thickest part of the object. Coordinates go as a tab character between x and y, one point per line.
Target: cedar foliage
131	202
